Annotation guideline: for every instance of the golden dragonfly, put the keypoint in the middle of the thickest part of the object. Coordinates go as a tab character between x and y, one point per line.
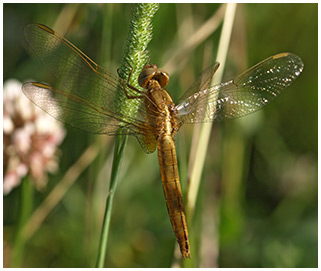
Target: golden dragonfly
88	97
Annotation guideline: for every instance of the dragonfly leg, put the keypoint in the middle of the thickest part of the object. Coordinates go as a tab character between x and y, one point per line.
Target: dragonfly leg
143	94
130	86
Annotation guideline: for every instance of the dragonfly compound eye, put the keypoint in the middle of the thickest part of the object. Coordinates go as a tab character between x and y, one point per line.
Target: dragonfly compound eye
153	72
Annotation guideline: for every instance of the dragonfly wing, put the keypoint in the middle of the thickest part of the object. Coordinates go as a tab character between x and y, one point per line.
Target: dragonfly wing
75	72
246	94
147	140
86	96
202	81
87	116
72	109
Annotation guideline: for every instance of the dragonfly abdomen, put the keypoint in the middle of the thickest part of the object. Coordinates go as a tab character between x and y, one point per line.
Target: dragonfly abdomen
173	192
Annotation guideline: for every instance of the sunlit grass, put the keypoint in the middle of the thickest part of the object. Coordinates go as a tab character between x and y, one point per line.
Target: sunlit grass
265	219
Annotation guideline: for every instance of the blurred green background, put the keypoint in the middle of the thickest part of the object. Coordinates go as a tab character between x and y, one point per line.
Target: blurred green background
257	205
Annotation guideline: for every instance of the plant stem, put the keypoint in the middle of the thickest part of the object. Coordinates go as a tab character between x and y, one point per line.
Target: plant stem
118	154
134	59
195	169
200	147
26	202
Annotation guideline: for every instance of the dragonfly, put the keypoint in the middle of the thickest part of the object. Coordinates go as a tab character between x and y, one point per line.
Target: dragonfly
89	97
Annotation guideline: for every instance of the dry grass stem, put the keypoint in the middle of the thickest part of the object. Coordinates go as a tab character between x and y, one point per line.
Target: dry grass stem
65	18
197	162
59	191
194	40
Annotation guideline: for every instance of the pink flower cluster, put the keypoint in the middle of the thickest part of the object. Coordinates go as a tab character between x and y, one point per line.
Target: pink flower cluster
30	139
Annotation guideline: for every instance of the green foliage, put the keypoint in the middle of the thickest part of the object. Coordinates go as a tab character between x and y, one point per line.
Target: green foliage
257	205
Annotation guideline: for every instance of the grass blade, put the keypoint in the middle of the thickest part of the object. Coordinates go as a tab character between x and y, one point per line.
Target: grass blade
135	57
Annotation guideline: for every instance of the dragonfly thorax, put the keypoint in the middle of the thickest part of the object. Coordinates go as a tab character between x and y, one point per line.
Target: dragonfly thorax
161	111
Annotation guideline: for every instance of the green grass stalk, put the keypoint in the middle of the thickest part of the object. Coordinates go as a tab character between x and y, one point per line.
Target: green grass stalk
118	154
25	208
134	59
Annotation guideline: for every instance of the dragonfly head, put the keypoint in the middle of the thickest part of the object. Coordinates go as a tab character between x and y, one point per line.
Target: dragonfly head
151	71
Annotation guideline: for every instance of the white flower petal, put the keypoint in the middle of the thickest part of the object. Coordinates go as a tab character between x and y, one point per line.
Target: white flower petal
8	125
10	181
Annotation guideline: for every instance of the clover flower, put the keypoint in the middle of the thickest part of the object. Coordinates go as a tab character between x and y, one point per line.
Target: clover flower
30	139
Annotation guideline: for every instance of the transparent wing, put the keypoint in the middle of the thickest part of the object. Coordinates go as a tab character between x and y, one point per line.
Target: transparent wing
73	69
85	96
244	95
80	113
74	110
202	81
